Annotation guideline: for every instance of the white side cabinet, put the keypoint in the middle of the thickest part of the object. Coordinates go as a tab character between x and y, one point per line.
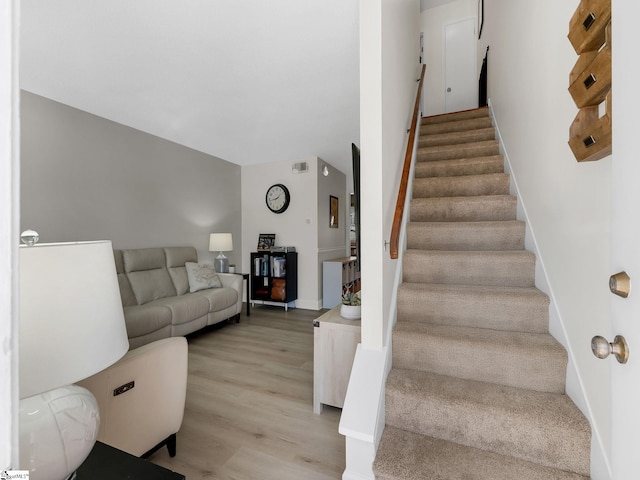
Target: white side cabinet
335	340
338	275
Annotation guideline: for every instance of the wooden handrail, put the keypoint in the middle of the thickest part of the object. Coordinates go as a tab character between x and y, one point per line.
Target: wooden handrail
404	181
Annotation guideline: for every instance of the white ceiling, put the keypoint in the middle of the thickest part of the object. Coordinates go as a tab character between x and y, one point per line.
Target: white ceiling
248	81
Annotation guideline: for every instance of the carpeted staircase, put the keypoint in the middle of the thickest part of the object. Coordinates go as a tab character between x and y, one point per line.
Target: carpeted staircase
477	385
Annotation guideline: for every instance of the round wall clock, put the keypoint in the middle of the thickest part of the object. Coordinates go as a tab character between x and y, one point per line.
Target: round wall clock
277	198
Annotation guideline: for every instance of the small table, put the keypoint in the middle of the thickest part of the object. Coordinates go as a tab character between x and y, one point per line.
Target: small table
108	463
335	340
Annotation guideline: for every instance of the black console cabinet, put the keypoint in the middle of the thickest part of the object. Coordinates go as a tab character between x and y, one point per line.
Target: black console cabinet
274	278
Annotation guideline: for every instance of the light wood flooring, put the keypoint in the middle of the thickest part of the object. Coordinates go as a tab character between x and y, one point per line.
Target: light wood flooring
249	408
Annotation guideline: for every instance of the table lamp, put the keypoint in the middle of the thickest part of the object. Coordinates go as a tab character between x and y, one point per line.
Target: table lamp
71	327
221	242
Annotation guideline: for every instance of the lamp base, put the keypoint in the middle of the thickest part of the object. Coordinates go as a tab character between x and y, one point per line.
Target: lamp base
221	264
58	429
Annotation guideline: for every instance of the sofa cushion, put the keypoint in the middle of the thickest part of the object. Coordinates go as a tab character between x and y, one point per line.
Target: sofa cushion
202	276
147	274
126	292
185	308
127	296
176	257
151	285
144	319
219	298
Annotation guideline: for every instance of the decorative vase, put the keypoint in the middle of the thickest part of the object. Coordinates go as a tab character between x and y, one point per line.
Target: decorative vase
350	312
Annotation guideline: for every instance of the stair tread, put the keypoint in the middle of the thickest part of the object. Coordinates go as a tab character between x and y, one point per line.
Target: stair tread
460	166
477	267
497	341
519	359
462	150
533	425
467	226
457	146
404	455
482	235
523	309
452	138
462	185
494	340
471	208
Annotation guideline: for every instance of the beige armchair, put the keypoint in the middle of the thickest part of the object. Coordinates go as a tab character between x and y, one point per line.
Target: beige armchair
142	396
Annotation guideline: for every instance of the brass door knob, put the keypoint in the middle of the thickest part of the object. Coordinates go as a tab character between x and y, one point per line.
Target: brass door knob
601	348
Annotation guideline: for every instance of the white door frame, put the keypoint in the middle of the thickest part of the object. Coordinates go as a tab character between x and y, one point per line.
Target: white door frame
9	219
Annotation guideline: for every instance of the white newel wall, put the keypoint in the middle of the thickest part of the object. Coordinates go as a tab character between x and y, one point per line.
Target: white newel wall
389	54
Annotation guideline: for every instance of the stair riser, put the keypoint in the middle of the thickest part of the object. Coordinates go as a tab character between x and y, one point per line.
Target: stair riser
512	365
451	138
509	269
466	235
482	112
464	186
507	312
463	209
481	149
495	430
456	126
458	167
405	455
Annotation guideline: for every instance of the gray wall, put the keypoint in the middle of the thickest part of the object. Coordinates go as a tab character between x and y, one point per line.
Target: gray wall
86	178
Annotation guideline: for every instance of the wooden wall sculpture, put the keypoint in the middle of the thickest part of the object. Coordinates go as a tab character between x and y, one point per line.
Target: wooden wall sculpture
590	80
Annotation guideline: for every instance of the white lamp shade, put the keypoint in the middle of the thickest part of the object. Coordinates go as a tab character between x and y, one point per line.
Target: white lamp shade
220	242
71	317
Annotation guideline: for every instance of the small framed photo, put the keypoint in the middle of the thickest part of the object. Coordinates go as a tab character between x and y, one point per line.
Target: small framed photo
266	241
334	212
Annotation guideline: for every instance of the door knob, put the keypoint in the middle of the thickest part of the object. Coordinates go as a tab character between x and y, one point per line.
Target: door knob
601	348
449	89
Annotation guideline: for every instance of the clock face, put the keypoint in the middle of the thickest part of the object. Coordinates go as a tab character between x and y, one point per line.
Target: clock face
277	198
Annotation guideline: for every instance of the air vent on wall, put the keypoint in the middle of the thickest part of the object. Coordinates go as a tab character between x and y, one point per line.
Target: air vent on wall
301	167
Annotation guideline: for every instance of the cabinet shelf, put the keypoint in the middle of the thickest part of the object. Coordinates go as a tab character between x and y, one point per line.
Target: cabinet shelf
274	278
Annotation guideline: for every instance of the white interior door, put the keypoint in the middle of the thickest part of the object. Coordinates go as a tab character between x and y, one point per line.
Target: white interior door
625	456
460	69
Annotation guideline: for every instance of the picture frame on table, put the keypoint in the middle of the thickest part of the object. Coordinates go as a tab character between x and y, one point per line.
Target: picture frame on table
266	241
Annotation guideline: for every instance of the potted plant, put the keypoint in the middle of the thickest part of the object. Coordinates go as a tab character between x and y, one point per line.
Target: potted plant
232	268
350	308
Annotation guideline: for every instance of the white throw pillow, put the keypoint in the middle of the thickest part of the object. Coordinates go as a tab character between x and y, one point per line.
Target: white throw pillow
202	276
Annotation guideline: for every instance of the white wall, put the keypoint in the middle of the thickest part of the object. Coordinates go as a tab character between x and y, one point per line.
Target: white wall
88	178
304	225
332	242
432	21
9	201
389	44
567	204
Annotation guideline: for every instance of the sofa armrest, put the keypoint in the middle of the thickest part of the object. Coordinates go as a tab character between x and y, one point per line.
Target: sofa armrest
144	415
236	282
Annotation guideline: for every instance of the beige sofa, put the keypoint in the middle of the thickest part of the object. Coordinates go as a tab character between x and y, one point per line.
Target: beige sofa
156	297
